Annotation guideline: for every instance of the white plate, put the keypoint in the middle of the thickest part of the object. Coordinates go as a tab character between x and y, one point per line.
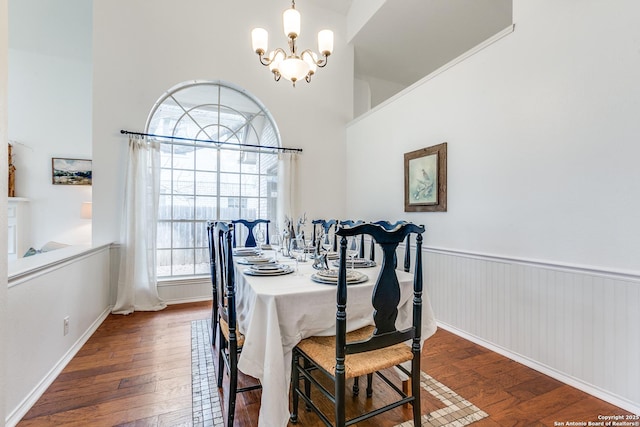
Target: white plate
252	272
246	251
357	263
333	255
251	260
269	267
331	276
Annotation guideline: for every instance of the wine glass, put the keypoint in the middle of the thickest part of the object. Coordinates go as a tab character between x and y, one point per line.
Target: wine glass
297	249
260	238
326	242
308	245
353	247
275	243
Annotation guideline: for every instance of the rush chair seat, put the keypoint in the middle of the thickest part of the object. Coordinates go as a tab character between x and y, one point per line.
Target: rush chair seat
230	339
250	241
371	349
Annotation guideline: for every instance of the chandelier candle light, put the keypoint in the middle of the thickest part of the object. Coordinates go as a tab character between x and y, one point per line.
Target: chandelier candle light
292	66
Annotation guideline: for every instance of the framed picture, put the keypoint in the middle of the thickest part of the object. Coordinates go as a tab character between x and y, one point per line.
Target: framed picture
70	171
425	179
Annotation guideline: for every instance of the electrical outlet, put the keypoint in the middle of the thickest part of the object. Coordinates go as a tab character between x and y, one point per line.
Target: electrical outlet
66	325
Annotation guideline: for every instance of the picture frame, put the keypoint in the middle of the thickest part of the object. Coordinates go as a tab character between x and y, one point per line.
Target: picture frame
71	171
425	179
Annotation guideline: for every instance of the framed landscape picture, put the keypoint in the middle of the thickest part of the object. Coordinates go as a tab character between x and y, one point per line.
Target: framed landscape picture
425	179
70	171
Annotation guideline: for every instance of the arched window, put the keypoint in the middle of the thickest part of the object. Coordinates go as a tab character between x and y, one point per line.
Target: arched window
218	171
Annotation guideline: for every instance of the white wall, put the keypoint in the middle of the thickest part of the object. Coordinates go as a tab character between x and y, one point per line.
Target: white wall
379	90
542	135
140	52
542	168
4	32
359	13
50	111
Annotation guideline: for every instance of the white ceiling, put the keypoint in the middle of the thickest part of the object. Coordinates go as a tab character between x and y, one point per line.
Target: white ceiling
421	35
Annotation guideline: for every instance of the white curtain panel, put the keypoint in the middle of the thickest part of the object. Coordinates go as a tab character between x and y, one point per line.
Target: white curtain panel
137	281
287	164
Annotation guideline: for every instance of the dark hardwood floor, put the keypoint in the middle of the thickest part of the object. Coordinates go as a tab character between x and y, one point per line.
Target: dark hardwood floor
136	371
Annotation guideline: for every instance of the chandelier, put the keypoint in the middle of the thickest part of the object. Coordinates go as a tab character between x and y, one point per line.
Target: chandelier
292	66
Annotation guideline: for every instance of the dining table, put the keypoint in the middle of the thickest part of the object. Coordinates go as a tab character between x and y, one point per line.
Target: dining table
276	311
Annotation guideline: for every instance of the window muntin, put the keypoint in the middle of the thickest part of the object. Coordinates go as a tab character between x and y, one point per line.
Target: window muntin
202	181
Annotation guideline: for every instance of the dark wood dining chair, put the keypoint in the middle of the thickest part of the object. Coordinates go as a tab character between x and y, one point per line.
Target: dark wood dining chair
214	285
368	350
324	226
250	241
230	339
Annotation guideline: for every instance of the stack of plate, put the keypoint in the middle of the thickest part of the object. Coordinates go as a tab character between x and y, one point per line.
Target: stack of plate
330	277
246	251
257	259
332	255
357	263
268	270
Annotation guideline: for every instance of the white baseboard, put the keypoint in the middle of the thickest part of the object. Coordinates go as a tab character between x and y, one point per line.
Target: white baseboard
187	300
574	382
20	411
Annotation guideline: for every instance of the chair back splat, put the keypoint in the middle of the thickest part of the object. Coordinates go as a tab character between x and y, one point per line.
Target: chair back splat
250	241
369	350
386	294
323	226
407	250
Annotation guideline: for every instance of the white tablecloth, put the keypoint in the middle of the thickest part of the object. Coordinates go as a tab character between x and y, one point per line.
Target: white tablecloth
276	313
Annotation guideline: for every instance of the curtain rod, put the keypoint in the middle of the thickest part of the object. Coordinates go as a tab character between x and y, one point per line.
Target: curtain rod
208	141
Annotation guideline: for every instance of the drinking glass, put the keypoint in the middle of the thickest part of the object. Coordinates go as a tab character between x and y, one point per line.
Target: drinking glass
308	246
297	249
326	242
353	247
276	244
260	238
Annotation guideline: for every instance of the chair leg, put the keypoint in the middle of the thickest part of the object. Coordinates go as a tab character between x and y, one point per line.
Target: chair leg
356	386
233	384
340	399
214	325
370	385
406	389
415	390
295	383
307	384
221	346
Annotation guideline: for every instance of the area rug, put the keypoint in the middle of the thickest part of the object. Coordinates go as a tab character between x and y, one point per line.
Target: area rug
206	406
207	410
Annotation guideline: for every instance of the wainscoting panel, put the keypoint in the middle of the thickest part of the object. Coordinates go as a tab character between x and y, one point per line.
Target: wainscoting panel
182	291
580	325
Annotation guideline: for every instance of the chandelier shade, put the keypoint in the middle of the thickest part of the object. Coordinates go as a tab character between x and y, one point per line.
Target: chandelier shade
294	69
292	66
259	39
325	42
291	23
